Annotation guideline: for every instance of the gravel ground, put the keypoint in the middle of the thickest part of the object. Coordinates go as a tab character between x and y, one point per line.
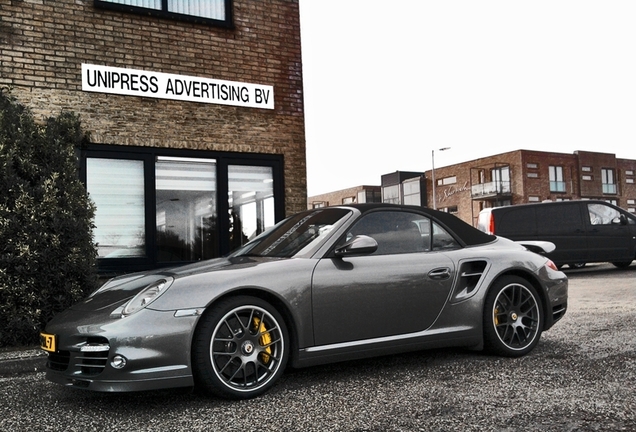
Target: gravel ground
580	377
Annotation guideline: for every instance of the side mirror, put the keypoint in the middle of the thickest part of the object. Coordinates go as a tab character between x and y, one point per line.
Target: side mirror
359	245
621	220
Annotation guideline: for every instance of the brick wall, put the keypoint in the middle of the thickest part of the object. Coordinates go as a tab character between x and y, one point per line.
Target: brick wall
45	42
336	197
530	180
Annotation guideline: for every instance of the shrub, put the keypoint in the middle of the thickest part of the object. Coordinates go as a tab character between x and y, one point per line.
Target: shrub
47	253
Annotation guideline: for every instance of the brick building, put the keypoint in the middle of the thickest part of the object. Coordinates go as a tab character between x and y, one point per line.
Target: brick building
524	176
516	177
356	194
195	110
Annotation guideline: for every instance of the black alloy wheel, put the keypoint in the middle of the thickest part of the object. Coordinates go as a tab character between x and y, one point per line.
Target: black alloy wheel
513	317
240	348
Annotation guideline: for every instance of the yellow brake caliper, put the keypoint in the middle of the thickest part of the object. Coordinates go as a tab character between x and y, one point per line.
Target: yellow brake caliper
265	339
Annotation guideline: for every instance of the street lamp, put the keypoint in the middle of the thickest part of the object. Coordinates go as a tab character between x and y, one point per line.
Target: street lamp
433	174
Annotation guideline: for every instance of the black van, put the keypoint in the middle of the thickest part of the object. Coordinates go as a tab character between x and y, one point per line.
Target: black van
583	231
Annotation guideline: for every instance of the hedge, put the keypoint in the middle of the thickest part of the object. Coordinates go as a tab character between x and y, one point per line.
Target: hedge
47	251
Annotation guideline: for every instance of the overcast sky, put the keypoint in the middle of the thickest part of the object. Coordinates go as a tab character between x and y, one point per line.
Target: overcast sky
386	82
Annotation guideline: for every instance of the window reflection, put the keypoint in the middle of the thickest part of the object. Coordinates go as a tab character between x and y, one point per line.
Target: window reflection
251	202
116	186
186	209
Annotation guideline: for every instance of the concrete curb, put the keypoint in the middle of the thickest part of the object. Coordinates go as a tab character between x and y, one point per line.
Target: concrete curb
20	361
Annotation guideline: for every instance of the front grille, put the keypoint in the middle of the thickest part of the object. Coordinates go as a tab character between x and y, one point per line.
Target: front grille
92	363
58	361
93	355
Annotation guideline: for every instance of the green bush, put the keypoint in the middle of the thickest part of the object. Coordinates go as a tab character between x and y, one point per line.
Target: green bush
47	253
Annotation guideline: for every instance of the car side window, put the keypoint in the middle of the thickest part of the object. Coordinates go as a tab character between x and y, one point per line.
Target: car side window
442	240
601	214
395	232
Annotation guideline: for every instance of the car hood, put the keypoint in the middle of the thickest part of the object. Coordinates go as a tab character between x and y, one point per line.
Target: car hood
121	289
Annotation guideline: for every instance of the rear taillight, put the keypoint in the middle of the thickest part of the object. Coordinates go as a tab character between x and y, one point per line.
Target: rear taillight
550	264
491	224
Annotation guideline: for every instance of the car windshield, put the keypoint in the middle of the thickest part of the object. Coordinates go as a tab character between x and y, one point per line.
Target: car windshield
294	235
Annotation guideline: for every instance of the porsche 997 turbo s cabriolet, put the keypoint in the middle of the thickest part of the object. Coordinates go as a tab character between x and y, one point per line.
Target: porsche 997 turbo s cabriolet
325	285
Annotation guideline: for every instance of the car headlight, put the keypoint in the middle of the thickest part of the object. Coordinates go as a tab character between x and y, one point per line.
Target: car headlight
147	296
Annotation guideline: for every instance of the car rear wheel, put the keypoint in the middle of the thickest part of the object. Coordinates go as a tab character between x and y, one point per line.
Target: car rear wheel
513	317
622	264
240	348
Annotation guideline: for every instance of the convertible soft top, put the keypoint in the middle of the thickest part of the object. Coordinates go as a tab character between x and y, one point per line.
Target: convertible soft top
466	233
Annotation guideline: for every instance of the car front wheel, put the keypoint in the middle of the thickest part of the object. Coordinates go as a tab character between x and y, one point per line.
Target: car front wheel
240	348
513	317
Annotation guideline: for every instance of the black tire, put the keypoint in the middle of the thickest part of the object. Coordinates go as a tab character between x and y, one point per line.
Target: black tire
240	348
622	264
577	265
513	317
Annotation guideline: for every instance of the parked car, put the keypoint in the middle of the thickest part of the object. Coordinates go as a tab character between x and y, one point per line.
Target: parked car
583	231
325	285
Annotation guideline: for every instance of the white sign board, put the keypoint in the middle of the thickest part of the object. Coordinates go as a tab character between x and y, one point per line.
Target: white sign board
134	82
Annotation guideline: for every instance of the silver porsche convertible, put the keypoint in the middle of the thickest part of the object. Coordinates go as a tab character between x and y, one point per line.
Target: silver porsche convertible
325	285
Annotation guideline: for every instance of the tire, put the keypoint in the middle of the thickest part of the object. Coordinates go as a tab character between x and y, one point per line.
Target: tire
577	265
622	264
240	348
513	317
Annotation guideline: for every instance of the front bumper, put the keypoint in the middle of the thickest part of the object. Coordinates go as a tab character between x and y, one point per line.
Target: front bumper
90	346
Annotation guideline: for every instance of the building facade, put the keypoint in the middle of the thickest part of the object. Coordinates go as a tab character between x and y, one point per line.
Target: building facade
525	176
194	108
516	177
357	194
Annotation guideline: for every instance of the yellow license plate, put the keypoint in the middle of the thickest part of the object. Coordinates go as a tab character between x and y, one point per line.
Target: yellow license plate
47	342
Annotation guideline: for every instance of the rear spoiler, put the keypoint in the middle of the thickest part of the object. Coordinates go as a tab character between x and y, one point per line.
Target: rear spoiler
537	246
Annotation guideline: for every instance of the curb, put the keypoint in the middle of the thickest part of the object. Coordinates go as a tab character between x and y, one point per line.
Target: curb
15	362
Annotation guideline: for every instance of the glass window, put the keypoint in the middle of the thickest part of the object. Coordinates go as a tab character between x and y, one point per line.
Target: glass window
608	180
214	10
150	4
412	194
601	214
556	179
295	235
369	196
116	186
395	232
391	194
442	240
251	202
501	179
155	207
447	181
186	208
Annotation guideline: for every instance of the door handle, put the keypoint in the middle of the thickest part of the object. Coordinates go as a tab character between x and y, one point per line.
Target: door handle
440	273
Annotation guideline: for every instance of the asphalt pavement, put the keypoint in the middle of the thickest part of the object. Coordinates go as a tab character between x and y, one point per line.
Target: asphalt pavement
21	360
